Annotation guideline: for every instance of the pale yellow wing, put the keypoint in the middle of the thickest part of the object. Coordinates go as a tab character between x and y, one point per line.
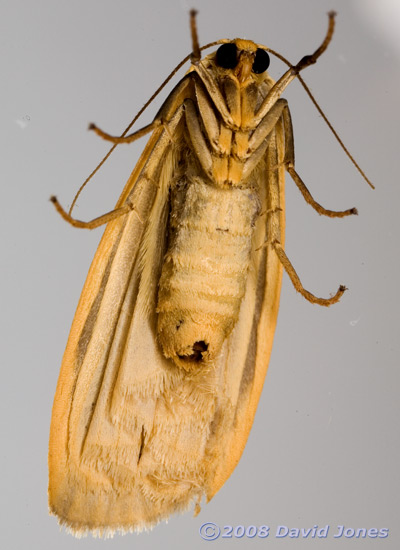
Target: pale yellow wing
90	444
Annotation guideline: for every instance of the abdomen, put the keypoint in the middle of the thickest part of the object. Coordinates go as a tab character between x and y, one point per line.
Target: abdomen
205	269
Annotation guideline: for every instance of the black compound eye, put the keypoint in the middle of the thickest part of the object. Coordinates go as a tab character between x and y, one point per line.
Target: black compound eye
227	56
261	61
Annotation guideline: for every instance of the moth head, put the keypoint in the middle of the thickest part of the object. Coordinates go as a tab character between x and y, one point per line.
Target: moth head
243	58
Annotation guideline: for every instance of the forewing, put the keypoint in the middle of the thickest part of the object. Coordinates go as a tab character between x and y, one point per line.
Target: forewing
112	360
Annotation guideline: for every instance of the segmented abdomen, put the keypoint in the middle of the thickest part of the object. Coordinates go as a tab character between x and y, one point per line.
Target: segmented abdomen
205	269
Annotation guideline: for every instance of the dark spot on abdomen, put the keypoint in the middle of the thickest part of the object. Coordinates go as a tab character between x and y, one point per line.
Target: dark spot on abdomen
198	349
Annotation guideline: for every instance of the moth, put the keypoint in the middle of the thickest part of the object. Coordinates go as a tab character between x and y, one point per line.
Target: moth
171	340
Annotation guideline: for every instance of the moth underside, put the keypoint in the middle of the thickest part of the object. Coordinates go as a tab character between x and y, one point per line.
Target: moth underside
172	336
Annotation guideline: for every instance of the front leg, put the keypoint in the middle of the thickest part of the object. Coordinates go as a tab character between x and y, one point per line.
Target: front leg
260	138
126	139
181	91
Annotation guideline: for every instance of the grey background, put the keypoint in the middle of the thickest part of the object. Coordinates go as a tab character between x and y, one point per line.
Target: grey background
324	448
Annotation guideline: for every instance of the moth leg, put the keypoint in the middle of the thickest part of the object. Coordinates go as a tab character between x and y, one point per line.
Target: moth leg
215	94
147	174
297	283
131	137
96	222
260	138
308	197
208	117
162	118
289	165
197	137
266	125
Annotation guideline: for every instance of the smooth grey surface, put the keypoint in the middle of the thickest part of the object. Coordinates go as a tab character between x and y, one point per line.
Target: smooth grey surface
324	449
